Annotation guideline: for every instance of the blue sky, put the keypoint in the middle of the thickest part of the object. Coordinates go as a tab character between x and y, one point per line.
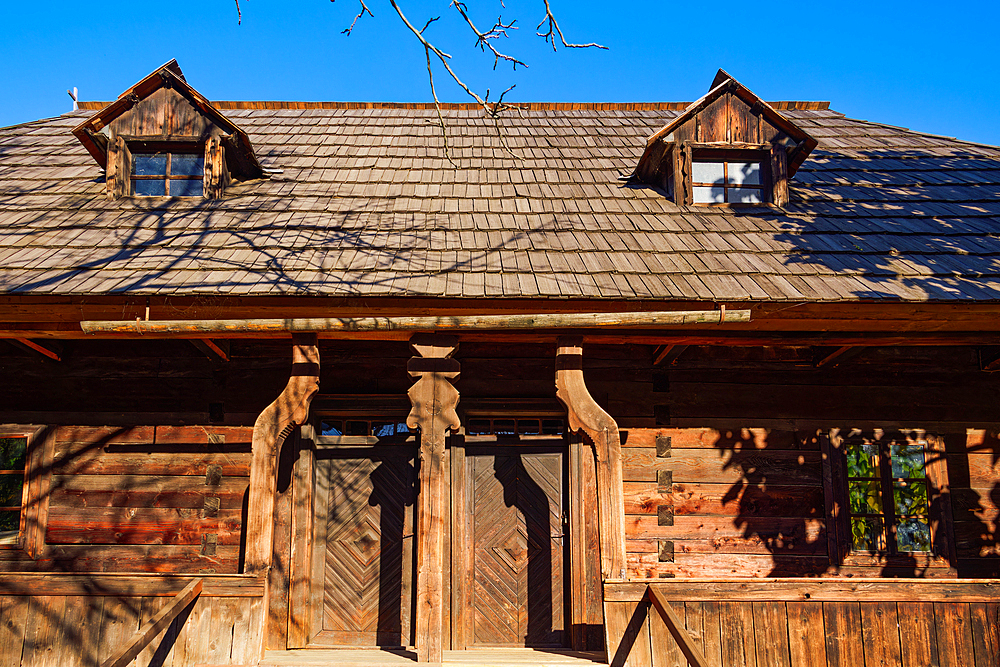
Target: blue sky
911	64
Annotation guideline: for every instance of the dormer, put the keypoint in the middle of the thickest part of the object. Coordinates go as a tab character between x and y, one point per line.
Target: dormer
161	138
730	148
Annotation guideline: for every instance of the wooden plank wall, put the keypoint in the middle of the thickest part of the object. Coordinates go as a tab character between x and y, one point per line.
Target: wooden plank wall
974	473
814	634
146	499
83	631
702	502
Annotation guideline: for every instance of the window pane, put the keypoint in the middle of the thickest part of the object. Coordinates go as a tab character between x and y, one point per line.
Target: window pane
907	460
910	497
708	172
186	188
383	430
552	427
866	534
479	427
862	461
331	428
150	188
744	173
186	164
744	196
10	490
528	427
401	428
357	428
708	195
149	165
504	427
866	497
12	453
9	522
913	535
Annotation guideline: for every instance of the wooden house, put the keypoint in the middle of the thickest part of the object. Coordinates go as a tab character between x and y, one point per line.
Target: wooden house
706	382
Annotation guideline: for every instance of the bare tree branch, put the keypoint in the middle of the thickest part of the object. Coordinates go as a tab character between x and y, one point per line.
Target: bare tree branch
239	14
437	105
498	30
364	10
553	30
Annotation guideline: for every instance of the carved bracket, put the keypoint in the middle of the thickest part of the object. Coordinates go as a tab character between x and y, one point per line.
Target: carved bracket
433	399
272	427
584	414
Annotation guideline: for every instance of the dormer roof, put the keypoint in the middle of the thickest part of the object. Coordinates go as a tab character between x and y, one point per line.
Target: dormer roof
140	115
728	126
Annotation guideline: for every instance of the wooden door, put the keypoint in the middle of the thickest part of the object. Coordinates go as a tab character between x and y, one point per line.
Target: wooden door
513	530
362	592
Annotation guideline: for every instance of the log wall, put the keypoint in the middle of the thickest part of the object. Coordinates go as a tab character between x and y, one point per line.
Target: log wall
974	473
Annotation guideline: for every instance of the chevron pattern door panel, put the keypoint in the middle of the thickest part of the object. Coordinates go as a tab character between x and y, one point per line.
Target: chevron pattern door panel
517	583
364	519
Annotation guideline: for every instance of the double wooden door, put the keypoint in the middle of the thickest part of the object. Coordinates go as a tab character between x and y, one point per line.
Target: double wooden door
507	542
509	548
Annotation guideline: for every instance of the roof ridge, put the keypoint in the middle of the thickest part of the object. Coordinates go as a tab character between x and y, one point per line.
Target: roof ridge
527	106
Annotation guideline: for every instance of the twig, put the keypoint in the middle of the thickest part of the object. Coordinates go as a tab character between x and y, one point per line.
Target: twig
239	14
437	104
550	35
364	10
498	30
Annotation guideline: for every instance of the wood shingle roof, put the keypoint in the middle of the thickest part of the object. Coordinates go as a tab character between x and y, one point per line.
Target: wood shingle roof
366	204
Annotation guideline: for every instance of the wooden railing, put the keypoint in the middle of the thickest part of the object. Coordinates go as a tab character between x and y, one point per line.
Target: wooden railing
792	622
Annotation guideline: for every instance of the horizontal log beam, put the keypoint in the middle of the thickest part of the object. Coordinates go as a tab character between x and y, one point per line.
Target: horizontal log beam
815	590
126	585
435	323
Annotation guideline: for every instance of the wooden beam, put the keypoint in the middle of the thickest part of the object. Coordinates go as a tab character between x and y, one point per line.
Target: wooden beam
211	350
669	354
828	359
433	400
36	347
442	323
676	626
155	626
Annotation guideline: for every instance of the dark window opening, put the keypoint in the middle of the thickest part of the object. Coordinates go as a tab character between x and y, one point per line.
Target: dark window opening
380	428
513	427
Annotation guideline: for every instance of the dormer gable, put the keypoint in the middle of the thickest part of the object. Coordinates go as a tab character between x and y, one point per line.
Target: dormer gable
727	148
162	138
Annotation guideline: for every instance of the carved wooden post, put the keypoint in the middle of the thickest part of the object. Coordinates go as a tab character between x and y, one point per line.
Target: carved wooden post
274	424
584	413
433	400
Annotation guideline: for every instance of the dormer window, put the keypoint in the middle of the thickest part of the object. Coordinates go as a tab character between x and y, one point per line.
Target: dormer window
161	138
729	148
168	174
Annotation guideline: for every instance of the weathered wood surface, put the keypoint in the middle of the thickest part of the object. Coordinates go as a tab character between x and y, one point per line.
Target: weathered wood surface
149	629
817	632
86	631
806	590
434	400
152	328
678	631
273	426
583	413
127	585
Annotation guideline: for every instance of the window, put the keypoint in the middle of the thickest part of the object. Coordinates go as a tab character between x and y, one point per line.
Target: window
887	496
726	182
13	452
379	428
512	426
168	174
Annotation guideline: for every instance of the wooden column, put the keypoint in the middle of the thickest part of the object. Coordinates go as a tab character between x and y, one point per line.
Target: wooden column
274	424
433	400
585	414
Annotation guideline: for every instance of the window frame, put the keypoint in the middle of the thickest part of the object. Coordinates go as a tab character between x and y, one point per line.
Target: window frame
678	177
837	487
34	493
168	148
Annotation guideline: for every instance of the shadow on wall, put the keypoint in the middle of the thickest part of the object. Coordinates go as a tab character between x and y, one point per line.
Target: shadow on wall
781	507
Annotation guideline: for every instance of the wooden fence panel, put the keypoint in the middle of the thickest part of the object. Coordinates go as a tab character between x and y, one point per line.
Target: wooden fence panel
917	634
